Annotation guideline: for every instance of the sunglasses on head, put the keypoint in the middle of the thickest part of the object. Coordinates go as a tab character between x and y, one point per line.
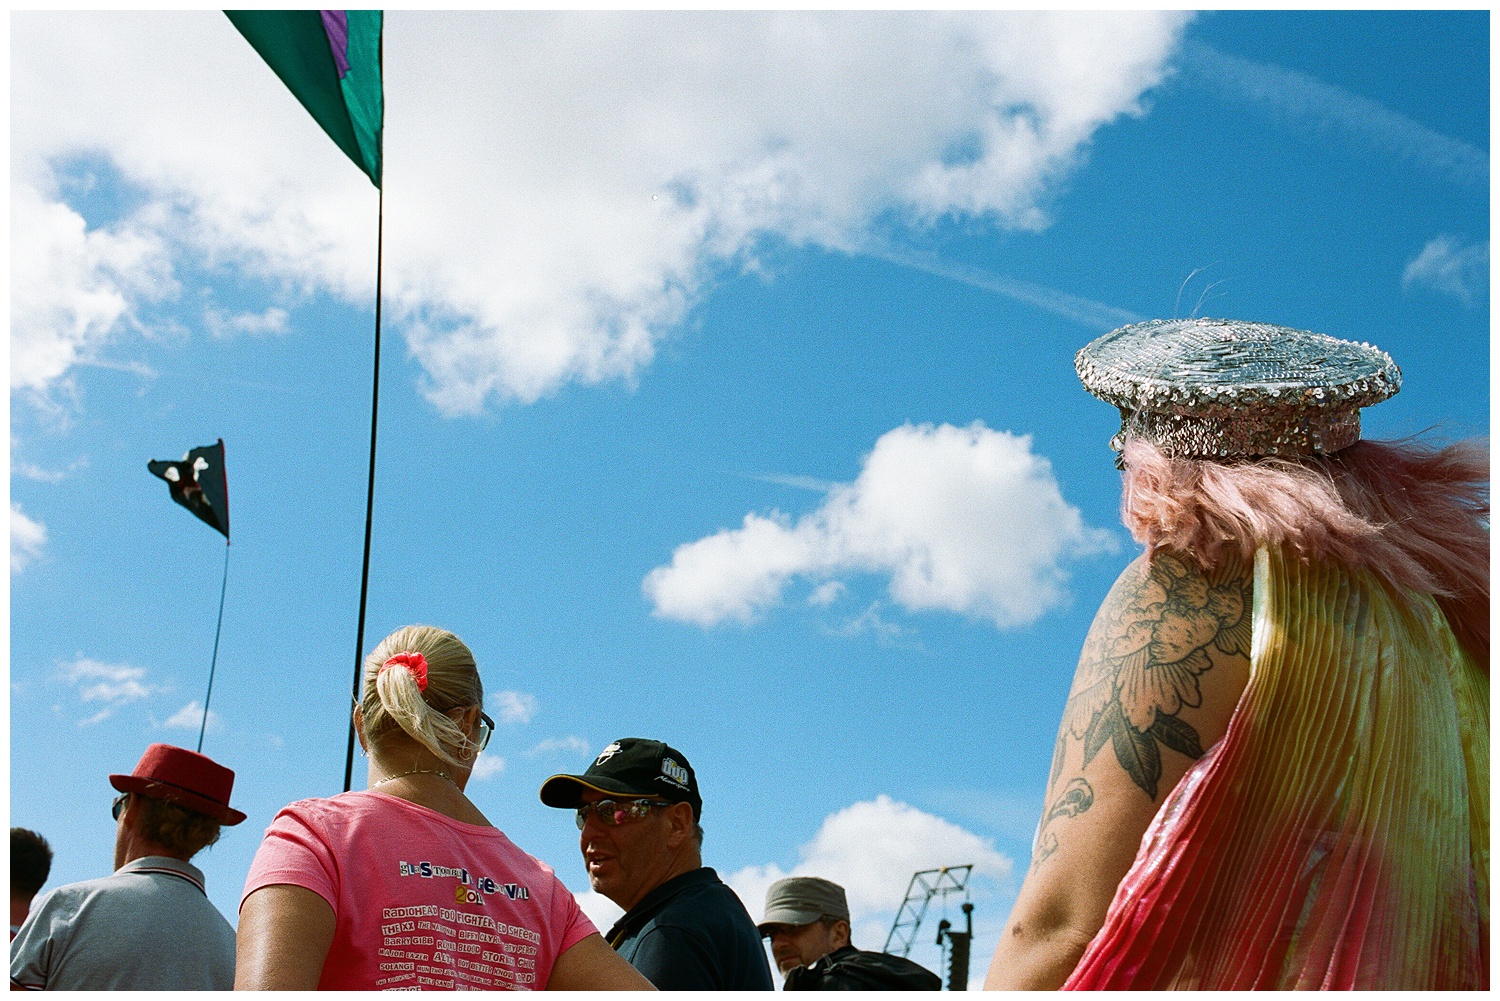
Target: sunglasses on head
614	812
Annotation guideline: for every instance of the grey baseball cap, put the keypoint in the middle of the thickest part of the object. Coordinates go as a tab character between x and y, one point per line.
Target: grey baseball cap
801	900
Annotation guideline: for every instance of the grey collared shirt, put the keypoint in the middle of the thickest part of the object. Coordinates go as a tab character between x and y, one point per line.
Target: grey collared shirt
148	926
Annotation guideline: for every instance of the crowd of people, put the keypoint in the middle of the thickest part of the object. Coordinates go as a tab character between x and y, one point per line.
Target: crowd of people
1291	684
407	885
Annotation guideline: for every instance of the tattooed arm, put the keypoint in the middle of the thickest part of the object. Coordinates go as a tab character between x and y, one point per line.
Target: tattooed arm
1161	671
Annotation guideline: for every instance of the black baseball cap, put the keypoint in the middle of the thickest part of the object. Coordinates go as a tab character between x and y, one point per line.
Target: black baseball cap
630	766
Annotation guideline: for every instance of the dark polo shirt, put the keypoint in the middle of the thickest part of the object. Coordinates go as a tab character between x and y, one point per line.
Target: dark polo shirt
692	933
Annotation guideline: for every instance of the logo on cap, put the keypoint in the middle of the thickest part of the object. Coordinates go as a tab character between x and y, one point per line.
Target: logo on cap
607	753
674	772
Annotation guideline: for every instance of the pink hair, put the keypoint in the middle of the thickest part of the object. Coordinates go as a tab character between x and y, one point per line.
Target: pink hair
1415	515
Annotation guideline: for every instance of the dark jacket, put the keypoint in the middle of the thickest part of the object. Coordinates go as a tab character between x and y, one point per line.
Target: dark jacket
692	933
849	969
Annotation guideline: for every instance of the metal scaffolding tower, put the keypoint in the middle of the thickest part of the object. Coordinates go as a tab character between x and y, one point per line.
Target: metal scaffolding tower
924	886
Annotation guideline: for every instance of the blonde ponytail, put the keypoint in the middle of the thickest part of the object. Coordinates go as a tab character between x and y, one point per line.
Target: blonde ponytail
393	698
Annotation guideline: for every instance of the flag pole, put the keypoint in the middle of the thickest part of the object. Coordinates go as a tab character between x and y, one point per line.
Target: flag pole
223	586
364	579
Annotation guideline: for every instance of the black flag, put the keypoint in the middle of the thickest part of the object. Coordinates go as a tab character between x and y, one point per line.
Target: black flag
197	482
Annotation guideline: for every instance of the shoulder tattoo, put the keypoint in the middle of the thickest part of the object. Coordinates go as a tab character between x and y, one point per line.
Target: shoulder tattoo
1141	661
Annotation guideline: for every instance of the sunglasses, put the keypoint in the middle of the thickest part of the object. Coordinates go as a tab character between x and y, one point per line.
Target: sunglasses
486	730
118	806
613	813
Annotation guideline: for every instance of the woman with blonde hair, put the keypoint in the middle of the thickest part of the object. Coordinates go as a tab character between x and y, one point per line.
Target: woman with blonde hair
406	884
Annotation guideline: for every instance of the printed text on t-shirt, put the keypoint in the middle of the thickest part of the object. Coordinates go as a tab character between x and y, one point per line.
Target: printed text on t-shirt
463	893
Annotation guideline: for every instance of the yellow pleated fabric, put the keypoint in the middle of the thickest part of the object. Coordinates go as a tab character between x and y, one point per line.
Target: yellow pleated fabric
1338	836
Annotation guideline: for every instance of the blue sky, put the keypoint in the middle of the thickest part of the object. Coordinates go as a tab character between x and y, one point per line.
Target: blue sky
727	396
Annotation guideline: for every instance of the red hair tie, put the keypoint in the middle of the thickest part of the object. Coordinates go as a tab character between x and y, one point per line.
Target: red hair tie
413	662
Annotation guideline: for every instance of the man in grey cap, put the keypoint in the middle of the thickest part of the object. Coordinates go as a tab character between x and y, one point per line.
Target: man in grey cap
807	921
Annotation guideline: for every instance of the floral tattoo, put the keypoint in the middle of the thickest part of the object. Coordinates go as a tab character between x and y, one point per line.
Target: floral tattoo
1141	662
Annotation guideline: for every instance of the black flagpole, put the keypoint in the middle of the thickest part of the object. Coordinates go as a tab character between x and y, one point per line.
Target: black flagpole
364	578
364	575
223	585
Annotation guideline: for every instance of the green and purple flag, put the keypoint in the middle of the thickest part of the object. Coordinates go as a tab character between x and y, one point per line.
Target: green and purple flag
330	61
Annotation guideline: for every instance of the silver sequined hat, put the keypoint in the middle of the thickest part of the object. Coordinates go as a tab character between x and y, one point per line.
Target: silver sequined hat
1205	388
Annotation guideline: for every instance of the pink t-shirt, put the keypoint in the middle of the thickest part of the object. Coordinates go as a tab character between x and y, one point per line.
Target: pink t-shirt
422	901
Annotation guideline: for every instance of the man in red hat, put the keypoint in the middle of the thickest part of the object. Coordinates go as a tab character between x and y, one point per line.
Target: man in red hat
149	926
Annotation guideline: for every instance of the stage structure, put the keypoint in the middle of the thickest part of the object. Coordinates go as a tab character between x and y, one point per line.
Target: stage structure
924	886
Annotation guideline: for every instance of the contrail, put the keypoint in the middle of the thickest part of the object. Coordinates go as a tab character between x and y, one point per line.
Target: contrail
1072	307
797	482
1327	108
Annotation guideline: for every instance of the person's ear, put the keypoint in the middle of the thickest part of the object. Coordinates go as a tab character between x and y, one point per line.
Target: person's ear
840	933
680	816
359	730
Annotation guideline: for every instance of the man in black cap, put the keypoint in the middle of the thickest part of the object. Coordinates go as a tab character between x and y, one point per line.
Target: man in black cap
807	921
638	813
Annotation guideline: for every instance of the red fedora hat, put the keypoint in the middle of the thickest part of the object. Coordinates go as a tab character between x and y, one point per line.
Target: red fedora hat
180	776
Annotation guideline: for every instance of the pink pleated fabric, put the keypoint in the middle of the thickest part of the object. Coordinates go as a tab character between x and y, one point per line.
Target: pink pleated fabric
1338	836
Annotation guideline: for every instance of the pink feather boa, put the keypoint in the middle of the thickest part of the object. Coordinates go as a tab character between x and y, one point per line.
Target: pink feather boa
1415	515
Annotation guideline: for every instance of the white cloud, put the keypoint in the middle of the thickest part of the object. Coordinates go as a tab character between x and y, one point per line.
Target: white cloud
962	519
826	593
1446	265
562	187
37	473
735	573
570	744
870	621
114	685
27	537
871	849
274	320
602	911
190	717
72	286
100	682
513	707
487	766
